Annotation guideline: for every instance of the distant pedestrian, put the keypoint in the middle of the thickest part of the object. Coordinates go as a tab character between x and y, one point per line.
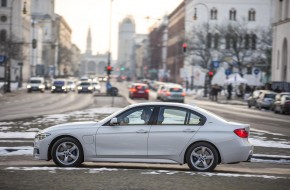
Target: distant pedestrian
108	87
230	89
214	92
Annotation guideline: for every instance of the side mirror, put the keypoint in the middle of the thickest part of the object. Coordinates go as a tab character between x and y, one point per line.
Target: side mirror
114	121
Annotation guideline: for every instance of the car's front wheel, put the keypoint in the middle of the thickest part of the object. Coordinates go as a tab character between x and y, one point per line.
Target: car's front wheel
67	152
202	157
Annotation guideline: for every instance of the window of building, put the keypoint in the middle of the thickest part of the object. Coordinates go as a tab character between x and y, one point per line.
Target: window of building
216	41
247	41
208	41
254	40
3	3
213	14
252	15
3	35
3	18
234	41
233	14
228	41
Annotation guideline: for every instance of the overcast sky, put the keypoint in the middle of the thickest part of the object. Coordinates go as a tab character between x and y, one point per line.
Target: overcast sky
80	14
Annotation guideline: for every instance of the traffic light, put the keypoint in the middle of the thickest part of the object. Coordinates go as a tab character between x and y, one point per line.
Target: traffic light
109	69
210	74
184	45
34	43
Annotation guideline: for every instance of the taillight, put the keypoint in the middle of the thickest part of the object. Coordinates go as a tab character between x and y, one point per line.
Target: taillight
147	90
242	133
168	93
183	94
133	90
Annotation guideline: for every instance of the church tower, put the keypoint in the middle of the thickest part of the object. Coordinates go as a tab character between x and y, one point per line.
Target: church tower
89	43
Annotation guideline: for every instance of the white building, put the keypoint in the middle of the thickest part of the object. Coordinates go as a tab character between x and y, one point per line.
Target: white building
15	27
252	16
281	46
126	43
44	31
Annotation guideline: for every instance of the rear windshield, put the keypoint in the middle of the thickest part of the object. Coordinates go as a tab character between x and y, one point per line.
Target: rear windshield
175	90
35	81
270	96
85	84
58	83
141	87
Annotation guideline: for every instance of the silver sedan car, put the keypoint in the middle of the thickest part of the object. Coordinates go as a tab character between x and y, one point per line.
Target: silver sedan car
148	133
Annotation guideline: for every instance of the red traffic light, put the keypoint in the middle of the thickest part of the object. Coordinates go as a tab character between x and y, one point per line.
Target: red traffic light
210	73
109	68
184	45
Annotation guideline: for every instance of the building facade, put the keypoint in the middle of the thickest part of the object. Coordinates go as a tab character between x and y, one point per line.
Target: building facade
176	37
92	65
125	45
15	28
281	46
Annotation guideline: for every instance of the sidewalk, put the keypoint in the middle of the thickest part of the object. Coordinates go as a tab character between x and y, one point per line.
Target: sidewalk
222	98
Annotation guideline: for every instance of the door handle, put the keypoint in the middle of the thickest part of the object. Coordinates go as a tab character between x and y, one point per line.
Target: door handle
188	130
141	131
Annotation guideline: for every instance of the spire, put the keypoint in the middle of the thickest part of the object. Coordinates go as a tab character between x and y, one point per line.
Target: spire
89	42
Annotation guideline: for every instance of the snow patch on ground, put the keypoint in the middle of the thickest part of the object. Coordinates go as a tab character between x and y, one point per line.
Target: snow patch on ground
17	135
16	151
272	144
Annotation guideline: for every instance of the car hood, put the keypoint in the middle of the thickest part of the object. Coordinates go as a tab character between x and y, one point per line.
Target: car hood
67	126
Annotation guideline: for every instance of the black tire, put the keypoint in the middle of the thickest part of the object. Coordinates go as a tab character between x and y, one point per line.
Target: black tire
249	106
67	157
196	163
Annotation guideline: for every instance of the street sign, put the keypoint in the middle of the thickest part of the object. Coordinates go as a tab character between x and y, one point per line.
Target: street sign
2	59
228	72
215	64
256	71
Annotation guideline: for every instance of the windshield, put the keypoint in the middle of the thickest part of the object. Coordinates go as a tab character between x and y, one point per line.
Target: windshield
60	83
85	84
270	96
35	81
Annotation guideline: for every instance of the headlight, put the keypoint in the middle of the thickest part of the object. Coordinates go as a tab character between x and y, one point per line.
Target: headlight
41	86
90	88
53	87
41	136
64	87
79	87
28	86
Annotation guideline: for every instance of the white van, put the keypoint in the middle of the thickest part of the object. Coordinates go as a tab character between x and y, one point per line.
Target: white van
36	84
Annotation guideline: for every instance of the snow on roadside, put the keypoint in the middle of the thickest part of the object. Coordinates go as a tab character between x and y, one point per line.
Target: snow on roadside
16	151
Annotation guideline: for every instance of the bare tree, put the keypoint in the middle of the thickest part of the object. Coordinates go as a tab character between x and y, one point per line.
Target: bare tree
239	42
64	57
201	47
12	50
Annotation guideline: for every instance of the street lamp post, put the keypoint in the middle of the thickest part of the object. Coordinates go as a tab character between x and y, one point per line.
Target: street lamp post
110	28
206	82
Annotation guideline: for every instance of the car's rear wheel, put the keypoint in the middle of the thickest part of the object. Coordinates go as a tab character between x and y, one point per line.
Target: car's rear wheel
67	152
202	157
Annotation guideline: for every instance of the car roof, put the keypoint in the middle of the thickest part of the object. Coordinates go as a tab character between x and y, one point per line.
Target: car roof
163	104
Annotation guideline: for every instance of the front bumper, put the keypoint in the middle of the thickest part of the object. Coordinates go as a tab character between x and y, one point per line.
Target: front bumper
40	149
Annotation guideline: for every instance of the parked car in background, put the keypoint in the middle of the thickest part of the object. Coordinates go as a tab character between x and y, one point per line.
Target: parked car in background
85	87
252	100
71	85
282	105
35	84
149	132
278	99
59	85
96	86
102	78
266	99
139	90
171	92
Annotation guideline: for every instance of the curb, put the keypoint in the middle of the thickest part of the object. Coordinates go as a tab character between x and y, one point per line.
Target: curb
271	157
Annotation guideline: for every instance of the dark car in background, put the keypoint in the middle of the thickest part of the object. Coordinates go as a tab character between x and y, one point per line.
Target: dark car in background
59	85
85	87
139	90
